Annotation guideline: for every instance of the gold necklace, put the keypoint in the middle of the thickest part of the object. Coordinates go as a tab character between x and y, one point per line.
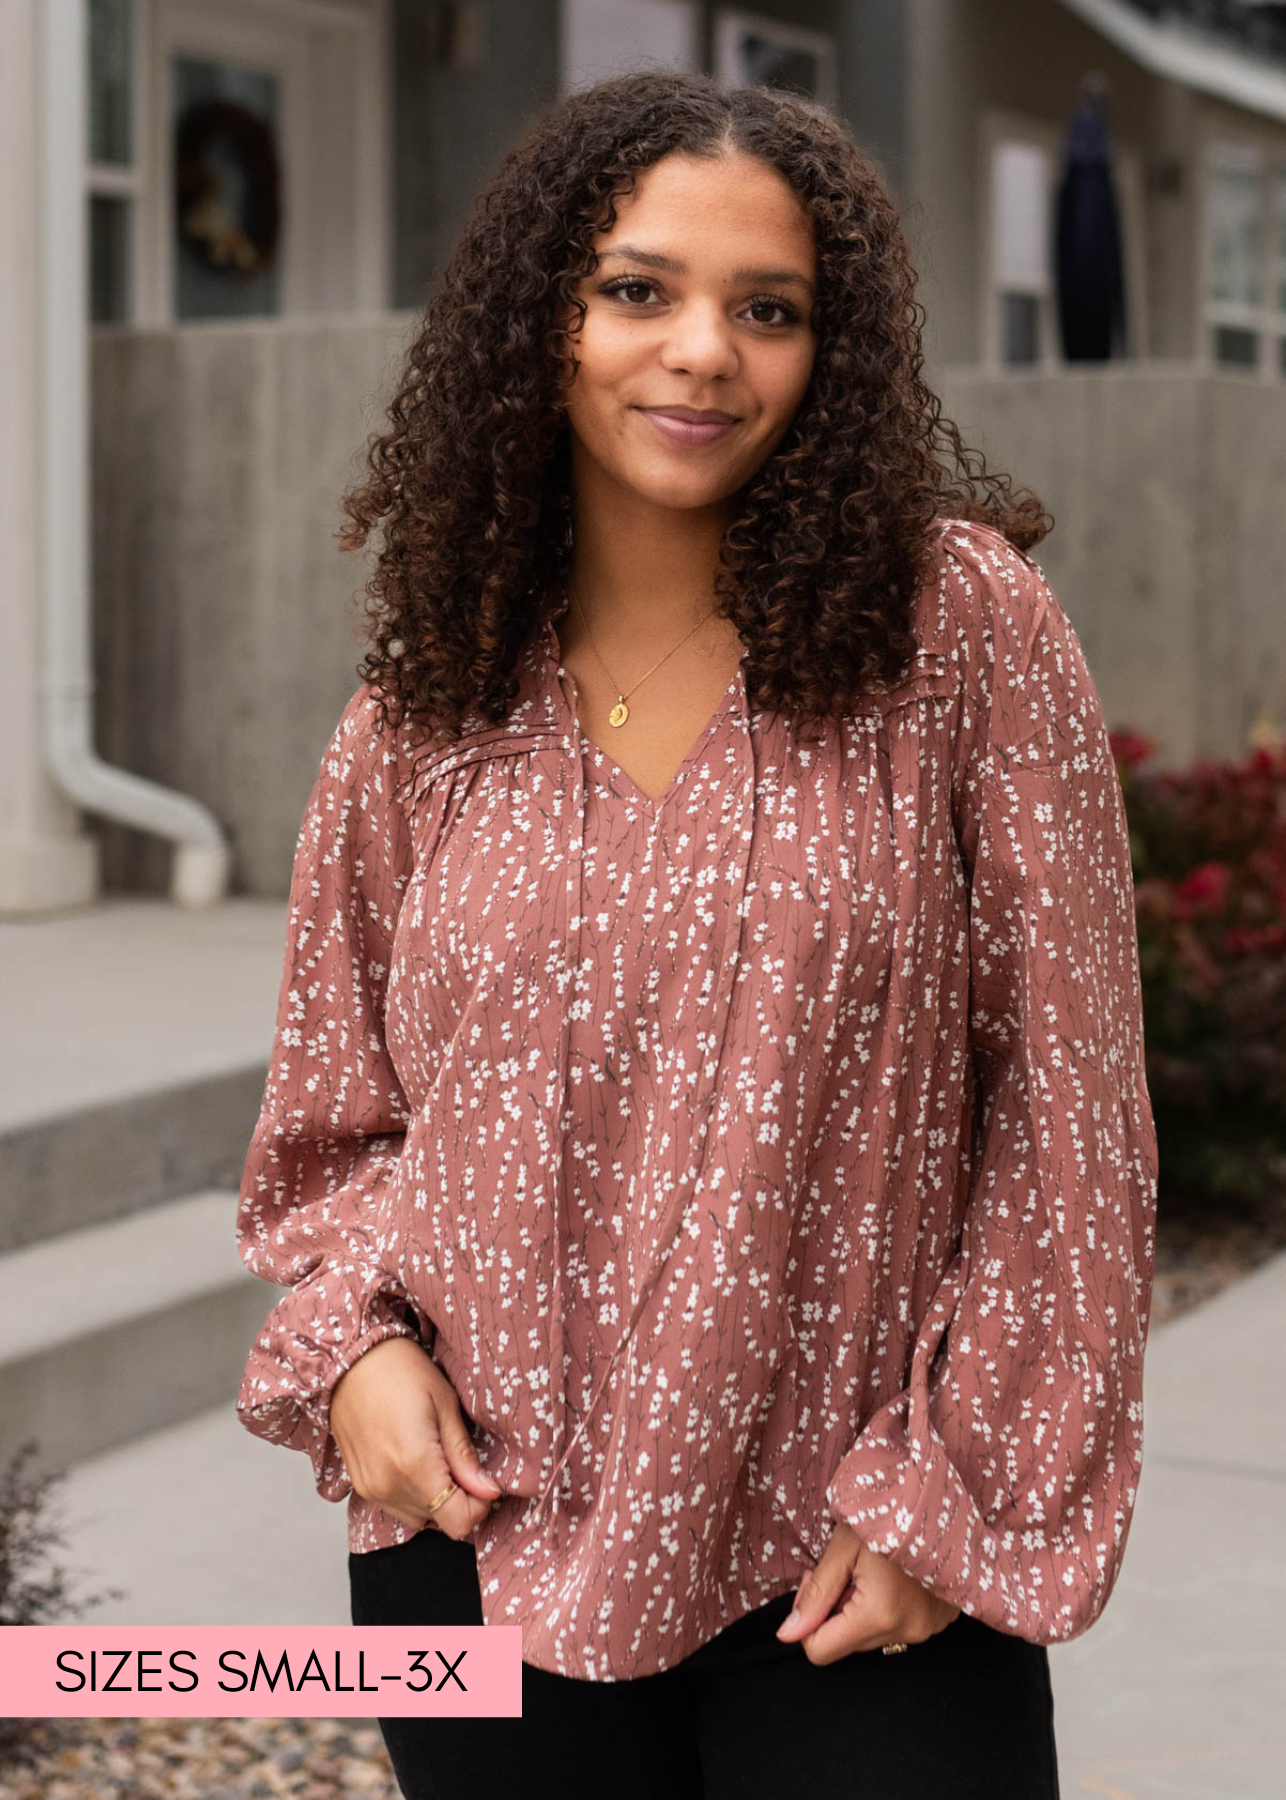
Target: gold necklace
621	712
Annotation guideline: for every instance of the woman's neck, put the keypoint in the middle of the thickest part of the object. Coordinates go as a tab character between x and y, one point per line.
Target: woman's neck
642	575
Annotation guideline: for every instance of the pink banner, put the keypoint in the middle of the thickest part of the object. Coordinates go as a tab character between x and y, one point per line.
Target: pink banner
293	1671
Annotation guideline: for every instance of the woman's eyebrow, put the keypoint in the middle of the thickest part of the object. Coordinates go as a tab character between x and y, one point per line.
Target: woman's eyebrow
652	259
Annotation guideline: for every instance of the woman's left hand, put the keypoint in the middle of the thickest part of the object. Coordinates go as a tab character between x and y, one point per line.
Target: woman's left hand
882	1604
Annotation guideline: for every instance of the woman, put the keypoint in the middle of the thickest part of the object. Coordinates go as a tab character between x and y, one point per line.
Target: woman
706	1139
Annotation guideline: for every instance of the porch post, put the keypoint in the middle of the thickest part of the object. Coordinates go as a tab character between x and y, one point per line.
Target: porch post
47	862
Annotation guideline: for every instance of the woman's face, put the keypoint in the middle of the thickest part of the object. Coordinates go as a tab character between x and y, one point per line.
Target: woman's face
700	304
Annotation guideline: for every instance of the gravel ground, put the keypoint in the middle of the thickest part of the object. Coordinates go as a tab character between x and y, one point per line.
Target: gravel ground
204	1759
333	1759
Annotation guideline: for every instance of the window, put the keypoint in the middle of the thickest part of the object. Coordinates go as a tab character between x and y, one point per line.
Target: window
752	50
1245	256
1021	180
112	175
606	37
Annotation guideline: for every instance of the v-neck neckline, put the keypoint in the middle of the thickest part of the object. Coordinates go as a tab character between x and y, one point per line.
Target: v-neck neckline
618	777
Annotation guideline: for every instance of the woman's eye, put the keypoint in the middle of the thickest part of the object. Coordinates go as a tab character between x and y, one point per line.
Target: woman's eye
629	287
789	316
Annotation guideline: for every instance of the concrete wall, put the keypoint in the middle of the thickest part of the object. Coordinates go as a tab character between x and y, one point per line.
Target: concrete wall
1169	547
228	627
226	619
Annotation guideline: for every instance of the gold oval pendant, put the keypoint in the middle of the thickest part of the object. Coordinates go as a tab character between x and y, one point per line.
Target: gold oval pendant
619	713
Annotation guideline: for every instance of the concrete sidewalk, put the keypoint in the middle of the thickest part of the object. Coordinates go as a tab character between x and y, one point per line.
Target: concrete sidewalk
1178	1693
202	1524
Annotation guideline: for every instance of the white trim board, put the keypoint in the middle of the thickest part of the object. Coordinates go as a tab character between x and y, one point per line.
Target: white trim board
1195	58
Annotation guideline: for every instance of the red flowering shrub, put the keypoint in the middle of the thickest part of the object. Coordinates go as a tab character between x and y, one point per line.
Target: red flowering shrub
1209	852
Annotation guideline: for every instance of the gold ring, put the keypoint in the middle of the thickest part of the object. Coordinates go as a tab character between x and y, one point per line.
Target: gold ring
442	1498
891	1649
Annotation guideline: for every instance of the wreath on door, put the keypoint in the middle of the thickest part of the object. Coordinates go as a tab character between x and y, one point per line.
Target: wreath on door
236	232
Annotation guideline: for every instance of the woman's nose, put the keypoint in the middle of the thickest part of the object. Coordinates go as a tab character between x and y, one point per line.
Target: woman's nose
700	342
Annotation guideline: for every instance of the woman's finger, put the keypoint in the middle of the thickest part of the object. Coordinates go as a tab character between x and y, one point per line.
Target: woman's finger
858	1627
819	1591
462	1453
423	1481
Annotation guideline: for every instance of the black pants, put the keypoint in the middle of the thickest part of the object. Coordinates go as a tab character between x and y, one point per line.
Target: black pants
966	1715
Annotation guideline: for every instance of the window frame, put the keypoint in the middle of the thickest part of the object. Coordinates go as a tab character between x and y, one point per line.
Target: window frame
123	181
254	30
1266	319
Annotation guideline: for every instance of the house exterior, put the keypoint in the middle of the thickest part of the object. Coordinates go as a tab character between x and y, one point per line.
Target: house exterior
228	212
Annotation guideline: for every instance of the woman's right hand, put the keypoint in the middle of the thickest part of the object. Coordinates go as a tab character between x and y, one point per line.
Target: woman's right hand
400	1430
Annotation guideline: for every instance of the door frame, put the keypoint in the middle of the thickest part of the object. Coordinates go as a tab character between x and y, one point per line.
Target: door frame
291	40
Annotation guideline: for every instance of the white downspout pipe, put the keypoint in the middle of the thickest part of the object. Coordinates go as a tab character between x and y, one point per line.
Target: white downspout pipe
202	857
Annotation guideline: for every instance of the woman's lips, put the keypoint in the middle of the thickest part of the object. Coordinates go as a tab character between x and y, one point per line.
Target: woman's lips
688	431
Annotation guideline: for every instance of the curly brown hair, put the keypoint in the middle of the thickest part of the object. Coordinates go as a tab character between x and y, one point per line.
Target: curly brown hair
827	545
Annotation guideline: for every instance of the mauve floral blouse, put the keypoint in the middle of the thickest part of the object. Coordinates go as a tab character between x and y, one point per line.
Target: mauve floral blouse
772	1153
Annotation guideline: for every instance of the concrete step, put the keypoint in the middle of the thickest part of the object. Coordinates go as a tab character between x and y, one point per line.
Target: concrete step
101	1162
137	1071
125	1326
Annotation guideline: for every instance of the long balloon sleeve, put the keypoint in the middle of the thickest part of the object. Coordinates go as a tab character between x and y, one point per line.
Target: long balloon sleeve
333	1117
1003	1475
